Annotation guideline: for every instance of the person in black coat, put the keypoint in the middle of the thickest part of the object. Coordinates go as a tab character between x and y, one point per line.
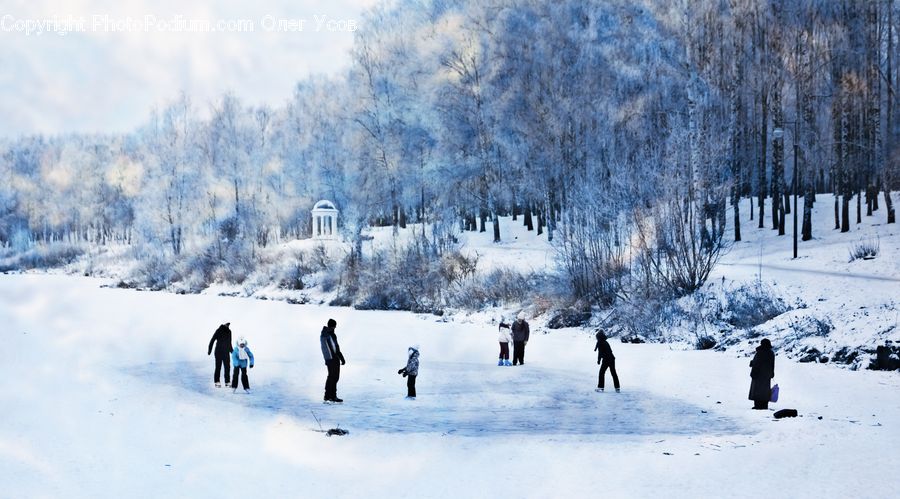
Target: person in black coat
520	334
762	370
222	340
606	360
334	359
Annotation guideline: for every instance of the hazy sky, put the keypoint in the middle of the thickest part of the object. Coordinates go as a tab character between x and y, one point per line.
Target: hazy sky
121	58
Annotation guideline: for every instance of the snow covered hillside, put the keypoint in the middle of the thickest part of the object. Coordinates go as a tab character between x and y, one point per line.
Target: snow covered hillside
108	393
838	306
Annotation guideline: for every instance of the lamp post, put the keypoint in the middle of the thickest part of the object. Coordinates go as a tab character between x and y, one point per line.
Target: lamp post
778	133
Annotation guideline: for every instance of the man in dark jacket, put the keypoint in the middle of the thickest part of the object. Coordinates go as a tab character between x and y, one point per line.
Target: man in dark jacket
607	360
520	333
762	370
334	359
222	339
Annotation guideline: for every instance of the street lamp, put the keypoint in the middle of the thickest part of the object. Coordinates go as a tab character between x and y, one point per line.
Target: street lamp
778	133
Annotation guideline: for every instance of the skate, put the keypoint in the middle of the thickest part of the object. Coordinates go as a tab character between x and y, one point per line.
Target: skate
337	400
599	390
247	391
218	385
500	362
617	390
507	363
410	398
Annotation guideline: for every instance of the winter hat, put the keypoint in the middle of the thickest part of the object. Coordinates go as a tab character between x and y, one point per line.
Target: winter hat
601	335
765	343
414	347
521	316
242	341
332	323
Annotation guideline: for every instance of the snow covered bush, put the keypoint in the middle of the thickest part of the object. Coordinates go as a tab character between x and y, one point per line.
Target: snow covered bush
865	249
401	278
153	271
643	317
751	305
43	256
496	288
302	265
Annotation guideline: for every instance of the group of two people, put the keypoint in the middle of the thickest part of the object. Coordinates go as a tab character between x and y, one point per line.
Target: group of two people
334	359
517	334
238	355
762	370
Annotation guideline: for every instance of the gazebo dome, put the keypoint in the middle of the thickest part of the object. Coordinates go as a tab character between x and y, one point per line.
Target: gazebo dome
324	220
324	205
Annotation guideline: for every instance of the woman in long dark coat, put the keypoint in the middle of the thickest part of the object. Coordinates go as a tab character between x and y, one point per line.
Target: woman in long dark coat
762	370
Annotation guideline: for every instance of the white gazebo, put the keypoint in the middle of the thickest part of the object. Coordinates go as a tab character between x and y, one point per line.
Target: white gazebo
324	220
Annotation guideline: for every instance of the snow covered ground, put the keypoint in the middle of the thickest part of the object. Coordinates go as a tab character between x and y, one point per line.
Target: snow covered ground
107	393
859	299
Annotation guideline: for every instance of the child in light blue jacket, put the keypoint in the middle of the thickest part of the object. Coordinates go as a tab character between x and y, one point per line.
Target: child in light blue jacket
241	359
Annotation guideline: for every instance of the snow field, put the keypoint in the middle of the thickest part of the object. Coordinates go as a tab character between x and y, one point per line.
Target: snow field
108	394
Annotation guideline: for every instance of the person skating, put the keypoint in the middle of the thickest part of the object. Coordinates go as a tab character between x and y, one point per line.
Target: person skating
520	333
607	360
242	359
762	370
411	371
505	338
334	359
222	340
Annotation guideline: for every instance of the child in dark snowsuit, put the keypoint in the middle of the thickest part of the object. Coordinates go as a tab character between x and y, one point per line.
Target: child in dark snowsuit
607	360
411	371
222	339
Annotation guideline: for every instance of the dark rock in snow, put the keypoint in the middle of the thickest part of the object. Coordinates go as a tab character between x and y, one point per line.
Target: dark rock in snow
705	343
887	358
785	413
810	355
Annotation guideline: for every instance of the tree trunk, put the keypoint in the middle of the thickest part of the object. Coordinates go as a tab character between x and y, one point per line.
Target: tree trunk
887	166
761	172
845	214
807	213
837	216
859	208
529	222
889	206
496	227
777	161
515	208
540	221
